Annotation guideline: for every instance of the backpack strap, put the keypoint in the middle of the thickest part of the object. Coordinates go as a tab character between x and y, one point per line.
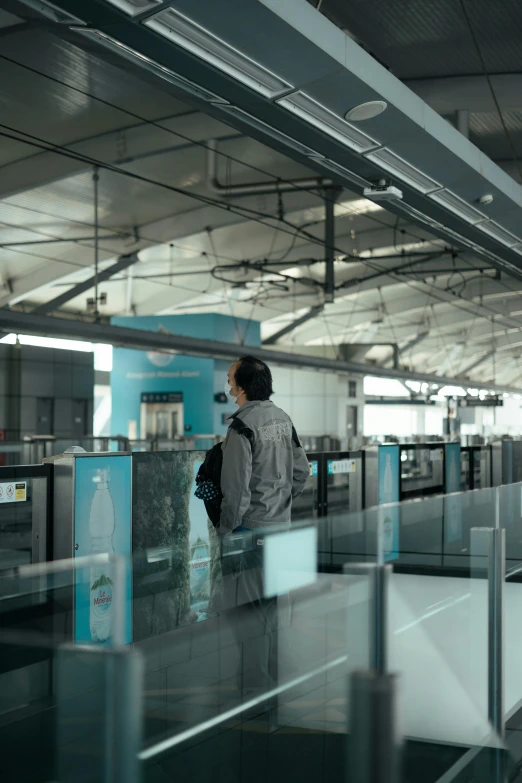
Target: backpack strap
241	428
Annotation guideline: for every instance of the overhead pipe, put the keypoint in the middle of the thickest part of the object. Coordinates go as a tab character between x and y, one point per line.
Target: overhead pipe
255	188
27	323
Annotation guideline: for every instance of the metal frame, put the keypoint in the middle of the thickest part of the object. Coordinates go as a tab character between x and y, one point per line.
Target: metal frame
42	518
439	488
140	339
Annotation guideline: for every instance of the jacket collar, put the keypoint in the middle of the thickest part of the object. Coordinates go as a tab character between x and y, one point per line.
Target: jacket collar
250	404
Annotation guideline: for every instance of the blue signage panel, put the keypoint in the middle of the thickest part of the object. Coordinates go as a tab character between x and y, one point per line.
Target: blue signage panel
389	478
102	524
314	467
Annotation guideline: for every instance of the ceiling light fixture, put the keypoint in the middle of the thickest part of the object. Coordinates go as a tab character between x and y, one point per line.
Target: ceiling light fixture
150	65
499	233
135	7
319	116
203	44
458	206
366	111
400	168
52	12
269	130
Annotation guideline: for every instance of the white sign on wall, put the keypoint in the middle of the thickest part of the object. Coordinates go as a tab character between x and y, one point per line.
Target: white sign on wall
13	492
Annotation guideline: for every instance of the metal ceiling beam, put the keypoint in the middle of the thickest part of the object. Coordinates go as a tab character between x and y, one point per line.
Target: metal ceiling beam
54	304
406	347
139	339
477	362
357	351
273	339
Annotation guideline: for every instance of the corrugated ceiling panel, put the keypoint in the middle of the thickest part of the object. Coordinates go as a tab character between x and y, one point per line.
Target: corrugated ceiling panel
415	38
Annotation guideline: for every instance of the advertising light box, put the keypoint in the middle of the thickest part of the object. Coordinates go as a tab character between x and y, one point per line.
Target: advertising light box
102	525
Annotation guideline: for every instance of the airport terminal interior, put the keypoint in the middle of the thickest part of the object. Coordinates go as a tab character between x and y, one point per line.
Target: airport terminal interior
334	188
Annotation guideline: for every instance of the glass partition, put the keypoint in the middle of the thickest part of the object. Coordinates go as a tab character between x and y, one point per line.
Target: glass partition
261	686
24	515
70	692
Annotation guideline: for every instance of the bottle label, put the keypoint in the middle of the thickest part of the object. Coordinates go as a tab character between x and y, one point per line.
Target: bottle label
101	592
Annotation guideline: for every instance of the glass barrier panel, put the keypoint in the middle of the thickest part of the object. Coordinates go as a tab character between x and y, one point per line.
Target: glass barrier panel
438	628
67	713
69	690
509	512
430	535
259	684
84	601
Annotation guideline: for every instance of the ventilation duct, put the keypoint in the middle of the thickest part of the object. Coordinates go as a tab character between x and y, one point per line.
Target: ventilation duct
135	7
52	12
400	168
458	206
499	233
196	39
275	134
150	65
286	68
321	117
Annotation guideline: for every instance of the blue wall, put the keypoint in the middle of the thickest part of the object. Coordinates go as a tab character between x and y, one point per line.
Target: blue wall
197	379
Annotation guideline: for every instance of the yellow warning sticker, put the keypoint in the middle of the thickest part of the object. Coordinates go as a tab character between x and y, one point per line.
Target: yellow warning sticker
20	491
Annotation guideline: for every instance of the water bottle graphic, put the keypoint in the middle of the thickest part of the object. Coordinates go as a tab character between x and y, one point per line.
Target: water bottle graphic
387	484
199	577
101	529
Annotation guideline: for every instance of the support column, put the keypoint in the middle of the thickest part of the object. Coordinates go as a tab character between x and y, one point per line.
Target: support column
330	197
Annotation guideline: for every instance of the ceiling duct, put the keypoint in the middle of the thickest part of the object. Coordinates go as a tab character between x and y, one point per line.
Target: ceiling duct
263	127
458	206
192	36
53	12
150	65
400	168
302	84
321	117
135	7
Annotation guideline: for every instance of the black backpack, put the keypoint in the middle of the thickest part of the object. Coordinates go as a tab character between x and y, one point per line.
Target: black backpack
208	478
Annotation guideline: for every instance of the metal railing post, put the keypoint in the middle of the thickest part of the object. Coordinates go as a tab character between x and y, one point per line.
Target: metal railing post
373	744
373	748
378	577
496	572
489	556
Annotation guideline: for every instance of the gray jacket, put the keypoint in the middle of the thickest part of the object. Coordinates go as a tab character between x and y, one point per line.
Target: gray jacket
260	479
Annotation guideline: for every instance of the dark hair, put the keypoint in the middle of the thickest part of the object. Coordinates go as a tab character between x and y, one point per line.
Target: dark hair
255	378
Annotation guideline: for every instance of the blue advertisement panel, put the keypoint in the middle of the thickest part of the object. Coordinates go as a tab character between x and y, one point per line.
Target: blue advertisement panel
452	505
102	524
389	477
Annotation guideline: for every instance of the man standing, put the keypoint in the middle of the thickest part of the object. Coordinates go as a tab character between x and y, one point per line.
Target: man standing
264	472
264	469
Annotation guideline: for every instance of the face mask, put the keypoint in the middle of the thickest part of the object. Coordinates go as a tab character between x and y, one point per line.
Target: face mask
228	391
